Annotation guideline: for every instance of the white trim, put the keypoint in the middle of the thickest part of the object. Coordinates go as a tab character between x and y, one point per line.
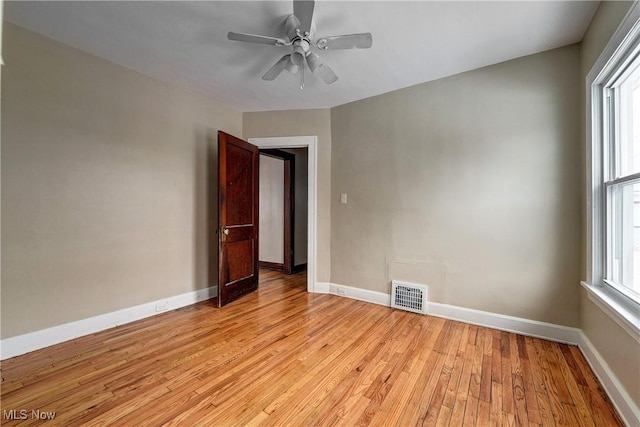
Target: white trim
21	344
374	297
614	44
616	307
518	325
311	143
625	405
322	287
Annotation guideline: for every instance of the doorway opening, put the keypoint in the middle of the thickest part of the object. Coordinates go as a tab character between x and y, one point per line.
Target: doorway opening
310	143
278	205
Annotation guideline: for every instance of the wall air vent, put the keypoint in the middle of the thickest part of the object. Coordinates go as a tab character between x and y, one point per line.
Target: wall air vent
409	296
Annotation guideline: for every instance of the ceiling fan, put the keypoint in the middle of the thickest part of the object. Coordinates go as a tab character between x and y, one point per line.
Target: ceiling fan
300	30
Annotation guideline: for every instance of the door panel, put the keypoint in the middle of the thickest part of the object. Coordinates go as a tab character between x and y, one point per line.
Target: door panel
239	185
238	218
241	252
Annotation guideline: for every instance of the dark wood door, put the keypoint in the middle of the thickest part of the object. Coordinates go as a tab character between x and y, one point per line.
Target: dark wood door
237	217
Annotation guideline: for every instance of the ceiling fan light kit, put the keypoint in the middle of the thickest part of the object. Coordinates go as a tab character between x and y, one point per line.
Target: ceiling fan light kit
300	31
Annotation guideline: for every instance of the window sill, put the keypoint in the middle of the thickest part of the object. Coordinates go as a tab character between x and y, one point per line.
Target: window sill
623	311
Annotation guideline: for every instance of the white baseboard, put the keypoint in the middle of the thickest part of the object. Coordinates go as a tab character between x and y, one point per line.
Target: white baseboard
519	325
359	294
625	405
321	287
502	322
22	344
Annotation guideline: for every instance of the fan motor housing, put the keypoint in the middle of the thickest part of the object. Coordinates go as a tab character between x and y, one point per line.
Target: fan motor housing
291	26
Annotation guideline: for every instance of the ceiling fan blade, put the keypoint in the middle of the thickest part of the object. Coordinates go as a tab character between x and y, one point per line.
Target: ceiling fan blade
326	74
321	69
303	10
252	38
277	68
348	41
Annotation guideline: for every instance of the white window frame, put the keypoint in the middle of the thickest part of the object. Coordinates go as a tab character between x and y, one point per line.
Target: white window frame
622	48
611	165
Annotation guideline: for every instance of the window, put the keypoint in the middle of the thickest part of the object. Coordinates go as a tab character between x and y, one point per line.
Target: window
621	177
613	168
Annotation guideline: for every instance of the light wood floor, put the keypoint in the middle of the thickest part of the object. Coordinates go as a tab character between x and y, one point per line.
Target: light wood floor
284	357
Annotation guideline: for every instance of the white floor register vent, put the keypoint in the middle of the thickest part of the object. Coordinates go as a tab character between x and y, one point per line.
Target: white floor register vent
409	296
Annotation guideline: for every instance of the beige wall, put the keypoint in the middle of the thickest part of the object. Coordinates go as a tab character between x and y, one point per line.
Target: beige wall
468	184
620	351
271	242
304	123
108	185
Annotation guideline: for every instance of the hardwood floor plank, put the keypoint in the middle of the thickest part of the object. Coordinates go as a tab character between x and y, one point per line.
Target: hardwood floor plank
555	371
281	356
485	381
571	414
321	385
470	412
571	382
463	392
508	419
403	389
476	367
600	410
418	403
496	360
533	409
536	359
506	376
556	391
456	372
356	405
573	365
544	406
514	355
522	416
484	413
436	403
495	411
392	407
420	413
444	417
488	342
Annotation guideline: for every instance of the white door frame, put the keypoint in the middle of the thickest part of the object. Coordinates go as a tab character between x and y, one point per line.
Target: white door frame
309	142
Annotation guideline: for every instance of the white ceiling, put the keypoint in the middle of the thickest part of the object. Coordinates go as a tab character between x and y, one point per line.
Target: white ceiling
185	43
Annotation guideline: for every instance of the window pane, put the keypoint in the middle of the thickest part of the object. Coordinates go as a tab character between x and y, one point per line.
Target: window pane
629	142
624	237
